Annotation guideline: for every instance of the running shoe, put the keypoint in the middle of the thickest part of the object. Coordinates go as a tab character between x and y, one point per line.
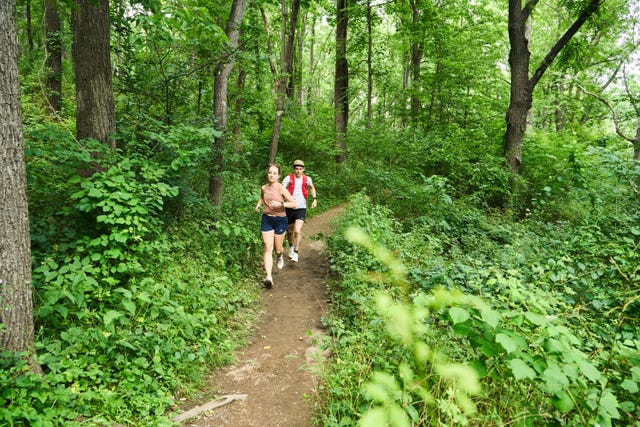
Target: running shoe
268	282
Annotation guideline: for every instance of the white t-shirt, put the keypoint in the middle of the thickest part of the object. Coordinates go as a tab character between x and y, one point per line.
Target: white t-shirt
301	202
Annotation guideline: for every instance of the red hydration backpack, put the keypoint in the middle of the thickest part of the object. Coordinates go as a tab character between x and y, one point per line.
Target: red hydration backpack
292	184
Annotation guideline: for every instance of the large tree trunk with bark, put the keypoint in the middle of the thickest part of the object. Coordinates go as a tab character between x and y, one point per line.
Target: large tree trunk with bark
95	113
220	89
341	86
521	85
16	306
369	64
53	51
636	142
286	58
417	51
521	95
237	110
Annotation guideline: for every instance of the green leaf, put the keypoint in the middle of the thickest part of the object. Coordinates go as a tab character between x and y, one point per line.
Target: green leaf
489	349
609	404
110	316
589	371
458	315
510	343
628	406
120	237
554	378
536	319
521	370
94	192
554	346
562	402
630	385
129	305
491	317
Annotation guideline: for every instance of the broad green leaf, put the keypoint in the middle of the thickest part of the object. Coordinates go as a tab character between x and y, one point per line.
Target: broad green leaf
94	192
490	349
562	402
554	346
630	385
628	406
110	316
458	315
510	343
536	319
521	370
554	379
121	237
491	317
144	296
589	371
129	305
609	403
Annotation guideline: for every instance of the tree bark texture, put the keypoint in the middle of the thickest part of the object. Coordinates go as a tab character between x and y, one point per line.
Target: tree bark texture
286	54
636	142
417	51
95	114
369	64
237	110
16	307
220	110
290	48
521	95
53	50
341	86
29	26
521	85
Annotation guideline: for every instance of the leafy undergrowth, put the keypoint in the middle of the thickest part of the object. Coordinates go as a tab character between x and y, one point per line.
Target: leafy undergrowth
133	305
465	319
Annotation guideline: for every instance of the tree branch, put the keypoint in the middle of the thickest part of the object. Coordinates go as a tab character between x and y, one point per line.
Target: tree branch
591	8
613	114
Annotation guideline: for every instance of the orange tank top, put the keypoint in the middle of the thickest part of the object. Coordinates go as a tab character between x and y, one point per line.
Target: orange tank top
270	193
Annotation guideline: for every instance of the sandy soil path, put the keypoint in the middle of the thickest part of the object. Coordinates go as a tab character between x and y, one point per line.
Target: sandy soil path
273	383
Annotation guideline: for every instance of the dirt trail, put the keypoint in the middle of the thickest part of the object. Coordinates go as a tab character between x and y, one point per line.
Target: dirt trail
273	379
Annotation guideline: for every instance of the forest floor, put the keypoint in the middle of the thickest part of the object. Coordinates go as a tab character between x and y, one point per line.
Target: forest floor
274	382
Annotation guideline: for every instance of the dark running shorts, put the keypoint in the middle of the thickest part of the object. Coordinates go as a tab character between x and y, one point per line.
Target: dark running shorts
274	223
294	214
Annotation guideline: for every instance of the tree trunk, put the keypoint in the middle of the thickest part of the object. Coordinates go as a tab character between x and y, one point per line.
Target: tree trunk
29	26
521	91
220	89
296	80
636	142
341	87
286	55
53	51
521	86
417	51
369	64
237	127
95	113
16	306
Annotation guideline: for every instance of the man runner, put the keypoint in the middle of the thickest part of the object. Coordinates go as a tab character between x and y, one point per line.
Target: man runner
298	185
